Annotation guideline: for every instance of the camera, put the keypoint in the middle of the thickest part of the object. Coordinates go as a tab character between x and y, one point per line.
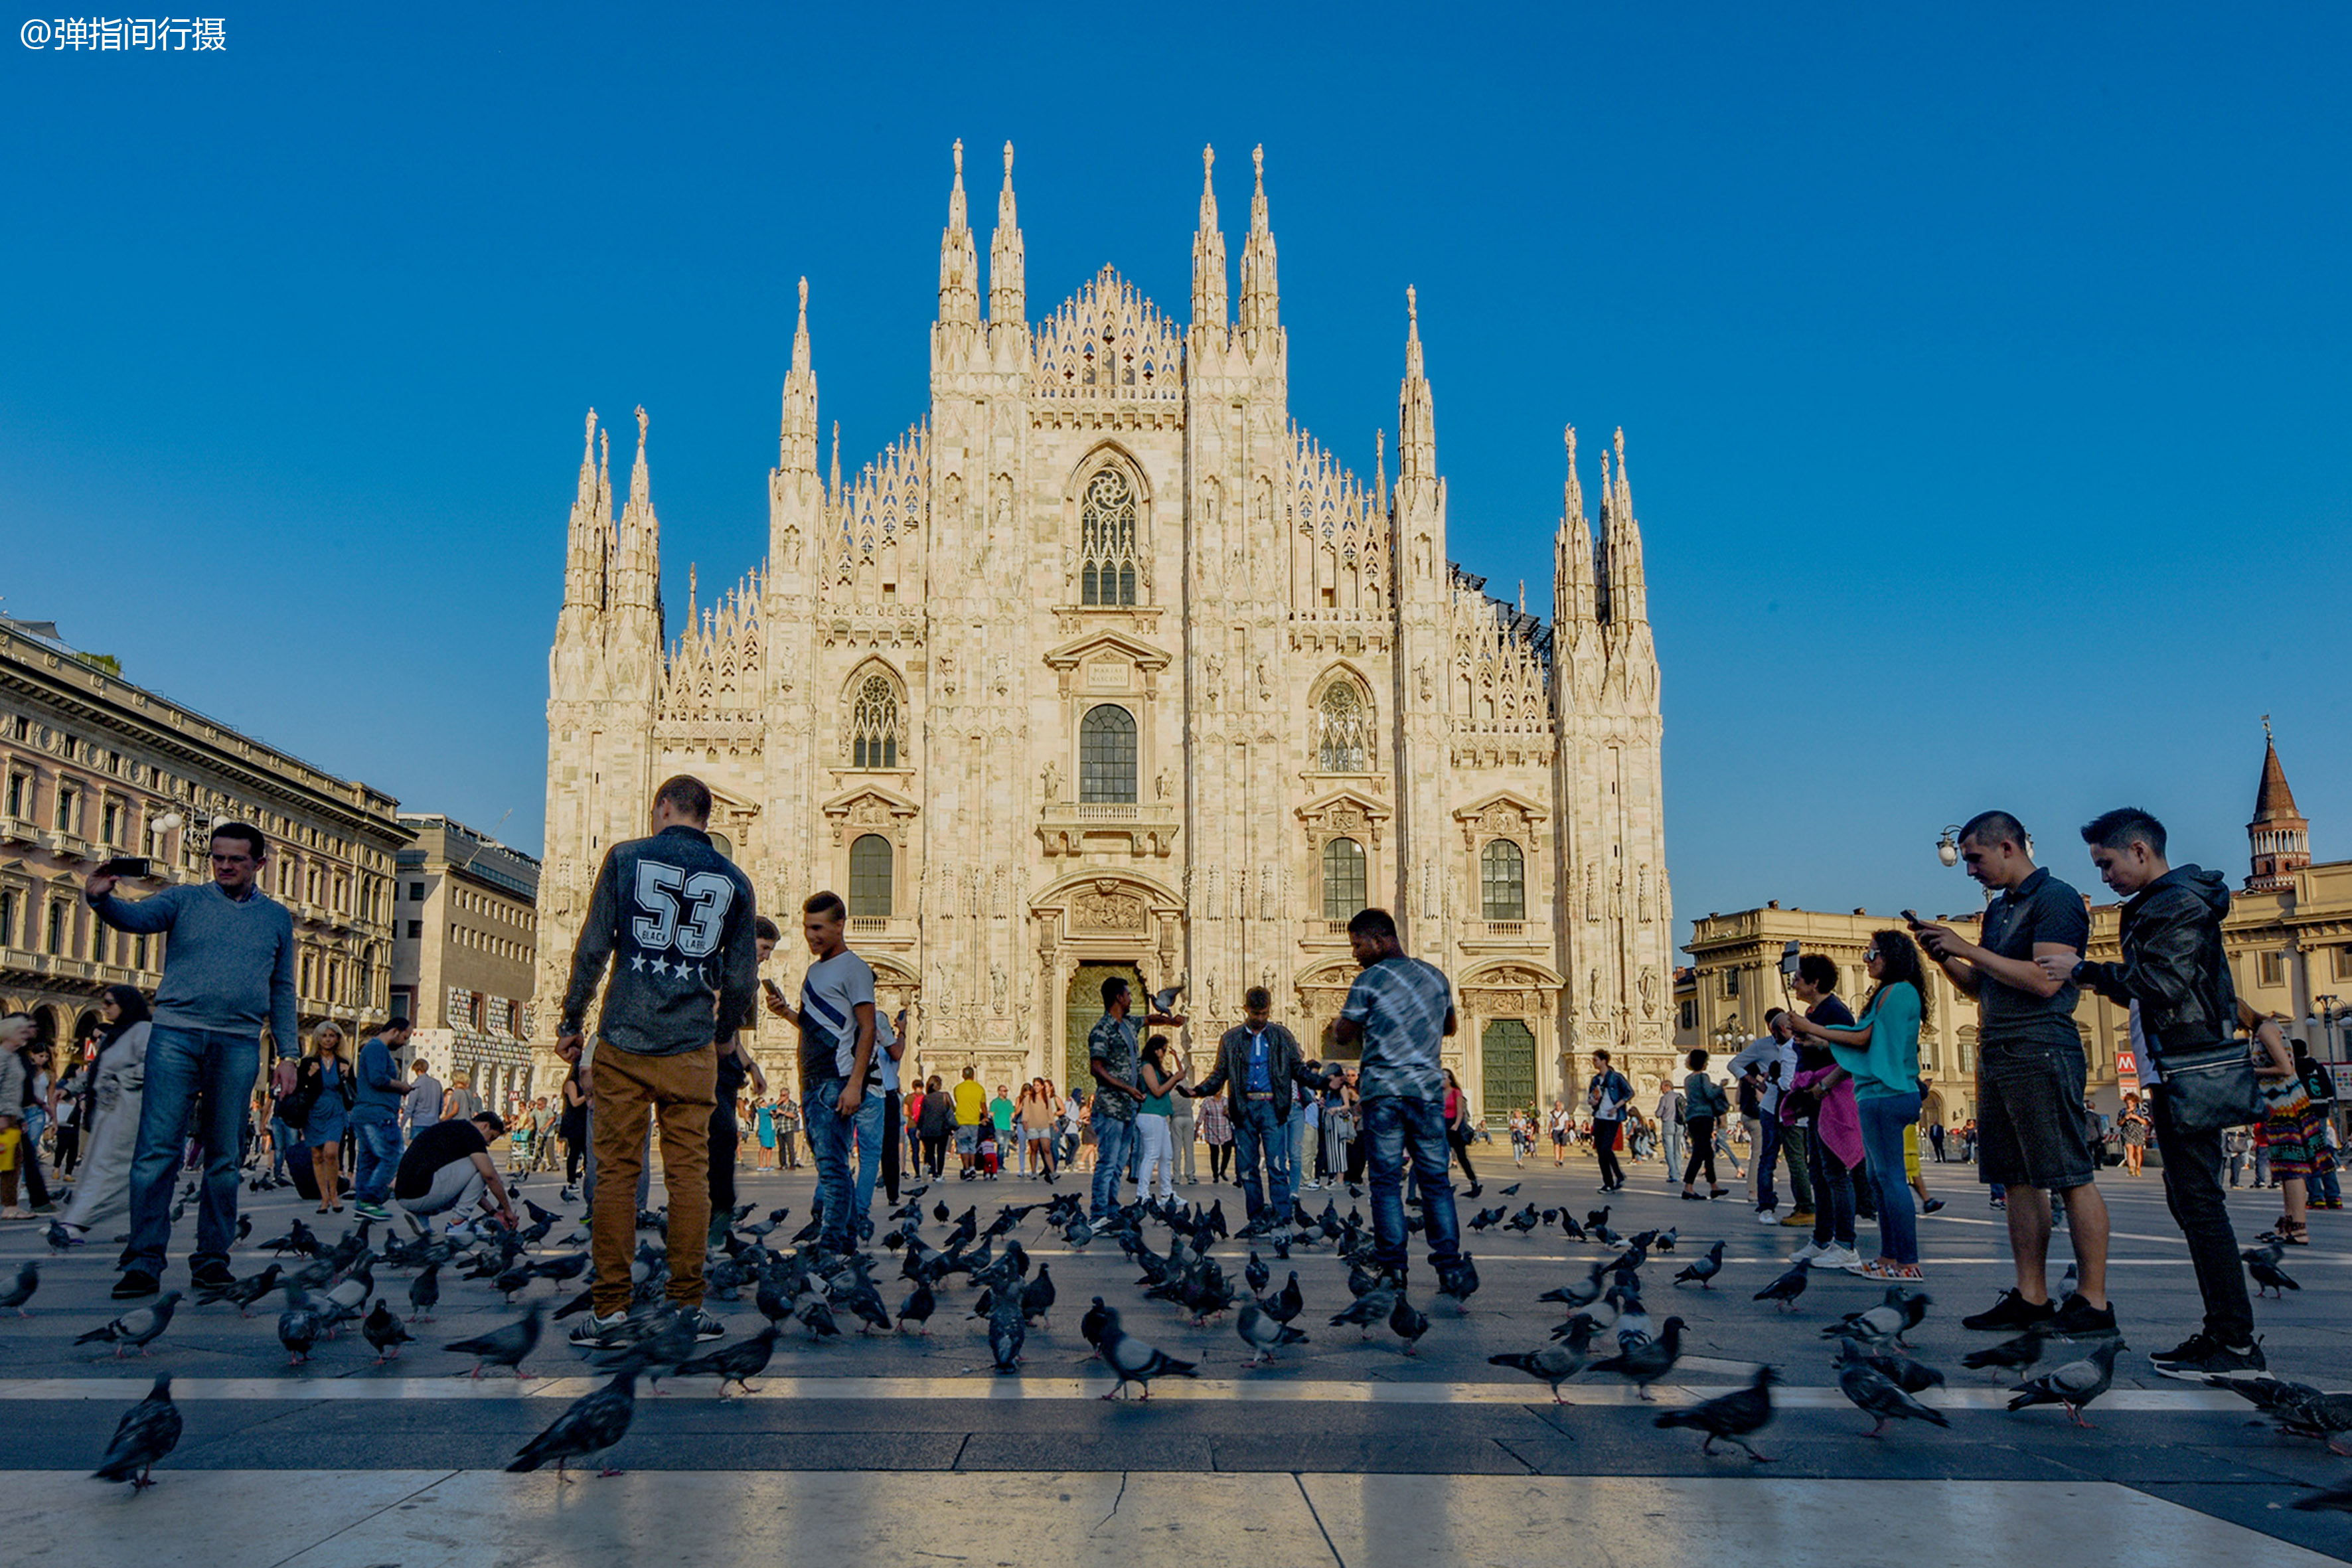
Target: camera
128	866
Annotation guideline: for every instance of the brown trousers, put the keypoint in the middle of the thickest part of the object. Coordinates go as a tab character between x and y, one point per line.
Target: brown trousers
680	1092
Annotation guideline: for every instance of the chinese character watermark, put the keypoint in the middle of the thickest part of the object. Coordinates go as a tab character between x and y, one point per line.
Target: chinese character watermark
121	34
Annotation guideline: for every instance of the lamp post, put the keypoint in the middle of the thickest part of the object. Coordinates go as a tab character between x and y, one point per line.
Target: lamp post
1947	847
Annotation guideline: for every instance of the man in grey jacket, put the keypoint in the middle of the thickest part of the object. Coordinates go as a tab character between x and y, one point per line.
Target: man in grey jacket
674	918
228	968
1258	1064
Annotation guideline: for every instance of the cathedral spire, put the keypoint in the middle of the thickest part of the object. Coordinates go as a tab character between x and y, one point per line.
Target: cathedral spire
958	262
1209	298
836	487
1381	468
586	535
1008	292
796	433
1575	597
1261	296
1629	594
1416	408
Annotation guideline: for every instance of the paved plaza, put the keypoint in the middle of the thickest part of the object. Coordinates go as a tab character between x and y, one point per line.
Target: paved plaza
902	1449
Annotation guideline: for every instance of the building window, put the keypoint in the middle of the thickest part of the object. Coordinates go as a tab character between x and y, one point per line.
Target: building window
69	800
2342	963
1344	744
415	930
1106	553
304	986
57	931
874	724
869	877
1106	755
1503	881
139	954
7	917
415	892
110	822
1689	1015
20	794
1731	982
2270	968
1345	882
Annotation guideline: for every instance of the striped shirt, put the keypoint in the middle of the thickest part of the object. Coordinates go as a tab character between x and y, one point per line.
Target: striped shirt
1401	1004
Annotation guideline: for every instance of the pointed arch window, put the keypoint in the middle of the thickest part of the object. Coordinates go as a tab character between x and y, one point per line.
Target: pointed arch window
1503	881
1106	755
1108	560
1343	722
1346	884
869	878
874	725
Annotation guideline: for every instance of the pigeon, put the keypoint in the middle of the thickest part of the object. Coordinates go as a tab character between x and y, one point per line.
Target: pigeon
1256	1275
148	1430
596	1421
20	1287
1732	1416
2270	1277
509	1346
1037	1296
1567	1223
1704	1269
1575	1296
2010	1355
1091	1326
1264	1333
1650	1361
737	1362
918	1309
1007	1332
1511	1191
1594	1219
425	1294
1282	1307
1787	1286
1910	1376
1666	1238
1165	1001
242	1293
1373	1306
1132	1361
2075	1384
1459	1282
297	1326
1409	1322
1902	1312
1556	1364
2269	1252
136	1329
383	1330
1873	1393
2299	1409
298	1240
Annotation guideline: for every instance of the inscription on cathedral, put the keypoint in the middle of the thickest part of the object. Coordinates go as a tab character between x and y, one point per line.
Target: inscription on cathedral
1106	664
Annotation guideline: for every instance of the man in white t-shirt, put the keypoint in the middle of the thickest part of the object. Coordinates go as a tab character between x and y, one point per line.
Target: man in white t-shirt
840	1083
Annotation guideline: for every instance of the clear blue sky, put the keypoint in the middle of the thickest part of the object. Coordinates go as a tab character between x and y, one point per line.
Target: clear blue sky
1984	370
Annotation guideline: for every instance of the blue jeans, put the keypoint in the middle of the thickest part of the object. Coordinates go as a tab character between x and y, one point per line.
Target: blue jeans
830	1135
1763	1157
379	1157
188	1068
1259	1128
1392	1125
1115	1148
282	1138
1884	1118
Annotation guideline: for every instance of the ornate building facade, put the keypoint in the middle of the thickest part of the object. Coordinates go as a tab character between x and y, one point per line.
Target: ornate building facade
465	955
1107	665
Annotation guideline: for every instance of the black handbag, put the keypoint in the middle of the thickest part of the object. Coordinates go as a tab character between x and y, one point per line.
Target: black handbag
2210	1088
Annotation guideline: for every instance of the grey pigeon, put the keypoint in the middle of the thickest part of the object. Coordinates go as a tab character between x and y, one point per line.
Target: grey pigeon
1555	1364
1875	1393
1581	1294
918	1308
665	1342
20	1287
1704	1269
1264	1333
738	1362
596	1421
382	1329
2075	1384
508	1346
1910	1376
1132	1361
297	1326
1410	1322
243	1293
1732	1416
148	1430
1091	1325
136	1329
1373	1306
1787	1286
1007	1332
2271	1277
1902	1310
425	1294
1286	1304
1650	1361
1458	1281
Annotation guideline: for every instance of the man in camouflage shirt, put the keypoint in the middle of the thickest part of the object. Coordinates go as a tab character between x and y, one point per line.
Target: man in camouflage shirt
1114	1057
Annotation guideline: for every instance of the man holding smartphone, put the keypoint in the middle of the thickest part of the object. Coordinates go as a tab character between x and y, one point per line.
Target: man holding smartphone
2029	1074
841	1086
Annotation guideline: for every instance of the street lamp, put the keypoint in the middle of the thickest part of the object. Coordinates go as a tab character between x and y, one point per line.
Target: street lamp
1947	847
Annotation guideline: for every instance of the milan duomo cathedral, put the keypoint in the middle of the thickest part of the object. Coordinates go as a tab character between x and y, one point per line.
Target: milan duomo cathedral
1107	665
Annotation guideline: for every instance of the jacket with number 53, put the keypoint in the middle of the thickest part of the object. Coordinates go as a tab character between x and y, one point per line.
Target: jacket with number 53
672	916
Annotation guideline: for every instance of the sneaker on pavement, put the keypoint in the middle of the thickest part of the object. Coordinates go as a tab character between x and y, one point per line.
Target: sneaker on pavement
1802	1218
211	1276
1767	1216
2201	1356
1845	1257
1810	1252
136	1283
372	1211
607	1332
2011	1314
2077	1318
707	1327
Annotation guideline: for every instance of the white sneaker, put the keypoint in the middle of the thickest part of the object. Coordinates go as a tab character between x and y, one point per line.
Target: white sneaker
1767	1216
1811	1252
1312	1187
1845	1257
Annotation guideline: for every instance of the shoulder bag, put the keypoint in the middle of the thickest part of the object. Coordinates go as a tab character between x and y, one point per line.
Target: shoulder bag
2213	1087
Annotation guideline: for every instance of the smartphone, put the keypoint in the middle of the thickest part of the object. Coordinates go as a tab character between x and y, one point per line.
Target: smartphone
1913	917
1788	954
128	866
773	989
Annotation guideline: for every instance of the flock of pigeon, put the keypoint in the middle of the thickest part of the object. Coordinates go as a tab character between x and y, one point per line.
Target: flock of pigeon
803	1291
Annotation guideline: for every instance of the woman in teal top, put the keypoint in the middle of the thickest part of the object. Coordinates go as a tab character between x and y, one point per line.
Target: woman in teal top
1155	1153
1881	1053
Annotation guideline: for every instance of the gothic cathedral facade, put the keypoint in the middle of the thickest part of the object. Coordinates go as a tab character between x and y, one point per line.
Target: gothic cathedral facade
1107	665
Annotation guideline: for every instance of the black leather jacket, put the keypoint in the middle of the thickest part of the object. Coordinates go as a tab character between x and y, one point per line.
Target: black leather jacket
2173	964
